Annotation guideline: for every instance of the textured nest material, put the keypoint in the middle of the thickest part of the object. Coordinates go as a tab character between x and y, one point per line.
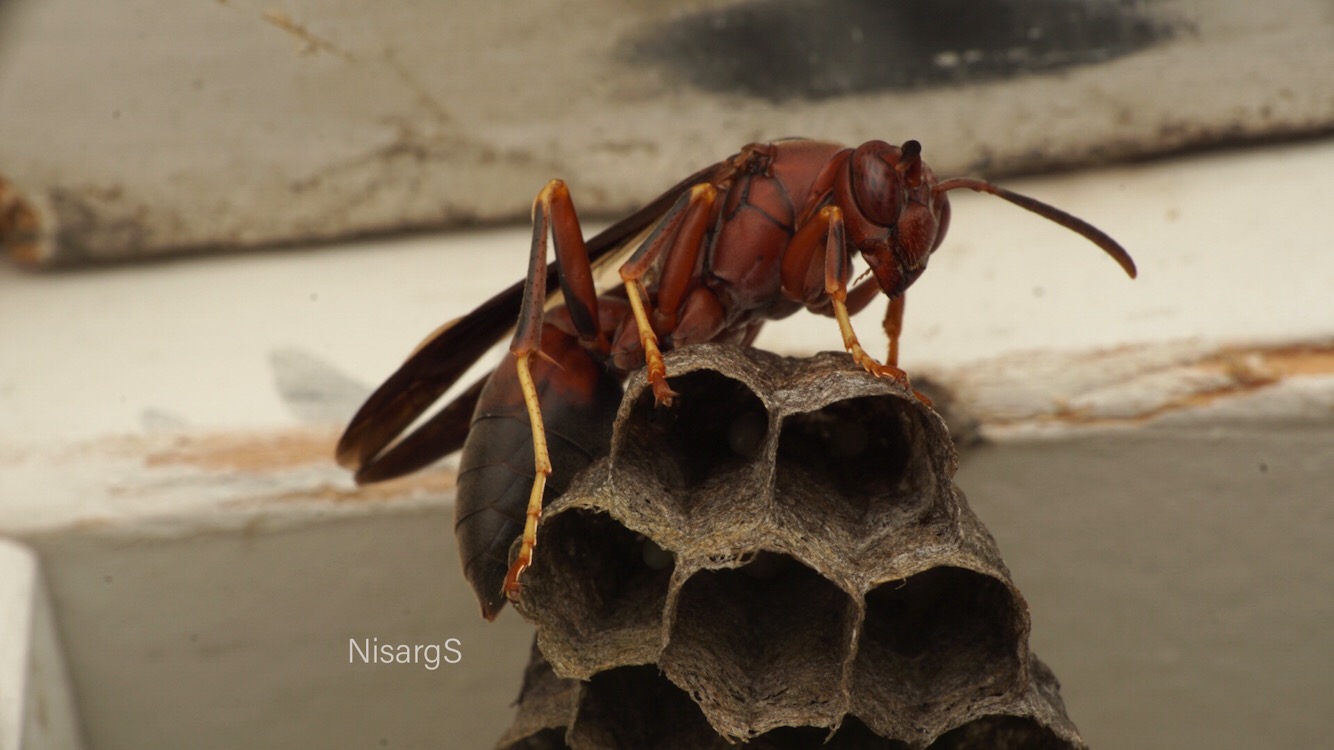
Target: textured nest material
779	558
637	708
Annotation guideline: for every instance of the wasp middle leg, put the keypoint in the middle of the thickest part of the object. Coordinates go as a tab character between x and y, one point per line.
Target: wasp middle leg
679	235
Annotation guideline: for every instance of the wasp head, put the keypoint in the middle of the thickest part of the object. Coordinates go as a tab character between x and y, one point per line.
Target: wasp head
893	214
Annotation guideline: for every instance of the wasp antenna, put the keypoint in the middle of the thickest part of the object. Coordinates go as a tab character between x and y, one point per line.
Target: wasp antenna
1049	212
910	162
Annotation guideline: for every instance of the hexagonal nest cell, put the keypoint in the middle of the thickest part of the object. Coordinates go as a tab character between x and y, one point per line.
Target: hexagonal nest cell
761	646
780	558
713	432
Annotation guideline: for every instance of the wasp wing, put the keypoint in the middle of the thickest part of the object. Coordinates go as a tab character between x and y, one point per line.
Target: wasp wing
440	360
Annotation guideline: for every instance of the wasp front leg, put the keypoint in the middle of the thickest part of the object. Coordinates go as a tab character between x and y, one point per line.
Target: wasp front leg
830	295
836	273
893	329
894	326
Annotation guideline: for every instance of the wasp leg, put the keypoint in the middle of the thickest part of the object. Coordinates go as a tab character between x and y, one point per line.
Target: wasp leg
554	215
680	234
801	281
837	264
541	470
894	327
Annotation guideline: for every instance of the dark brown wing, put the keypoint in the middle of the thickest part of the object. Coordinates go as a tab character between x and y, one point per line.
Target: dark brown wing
443	358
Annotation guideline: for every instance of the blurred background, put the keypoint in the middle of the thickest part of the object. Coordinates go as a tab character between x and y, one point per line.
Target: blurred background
167	128
226	221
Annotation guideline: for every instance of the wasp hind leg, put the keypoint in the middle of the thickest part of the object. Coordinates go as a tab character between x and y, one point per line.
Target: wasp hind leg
554	216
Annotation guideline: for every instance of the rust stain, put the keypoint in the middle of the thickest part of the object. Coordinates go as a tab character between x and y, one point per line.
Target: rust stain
427	482
97	523
311	44
248	452
20	226
1301	359
276	452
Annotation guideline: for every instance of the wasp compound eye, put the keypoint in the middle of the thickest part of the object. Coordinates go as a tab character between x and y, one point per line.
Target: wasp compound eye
876	185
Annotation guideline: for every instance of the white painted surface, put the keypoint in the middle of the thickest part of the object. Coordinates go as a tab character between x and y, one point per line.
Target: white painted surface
36	705
18	587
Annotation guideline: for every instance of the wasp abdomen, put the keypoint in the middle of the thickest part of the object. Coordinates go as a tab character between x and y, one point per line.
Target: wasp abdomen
579	398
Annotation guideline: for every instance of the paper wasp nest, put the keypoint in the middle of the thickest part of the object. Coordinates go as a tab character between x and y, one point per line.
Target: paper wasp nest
780	555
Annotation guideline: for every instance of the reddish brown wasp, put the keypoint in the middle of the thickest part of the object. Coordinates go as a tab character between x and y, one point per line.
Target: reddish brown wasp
752	238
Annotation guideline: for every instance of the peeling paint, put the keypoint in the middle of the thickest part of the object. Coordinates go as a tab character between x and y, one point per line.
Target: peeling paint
1153	384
